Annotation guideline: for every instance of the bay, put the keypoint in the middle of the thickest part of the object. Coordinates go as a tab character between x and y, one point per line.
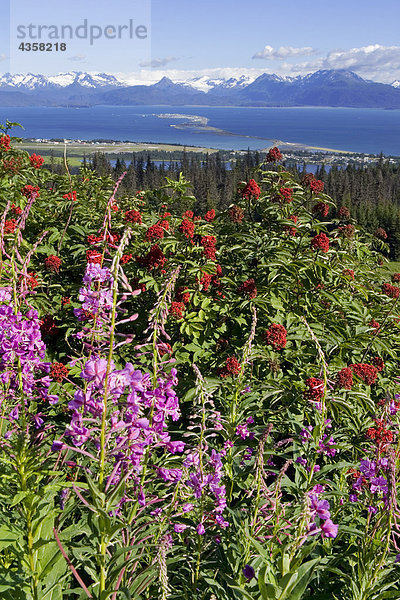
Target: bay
237	128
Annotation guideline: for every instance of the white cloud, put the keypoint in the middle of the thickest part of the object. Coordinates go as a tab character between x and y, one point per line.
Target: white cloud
157	63
270	53
376	62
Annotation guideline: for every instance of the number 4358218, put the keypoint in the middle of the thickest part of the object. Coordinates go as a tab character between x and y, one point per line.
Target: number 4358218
42	47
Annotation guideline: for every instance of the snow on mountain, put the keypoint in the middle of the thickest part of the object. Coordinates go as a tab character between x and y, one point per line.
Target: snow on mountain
37	82
205	84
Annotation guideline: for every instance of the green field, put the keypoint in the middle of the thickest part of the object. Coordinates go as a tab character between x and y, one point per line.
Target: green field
76	152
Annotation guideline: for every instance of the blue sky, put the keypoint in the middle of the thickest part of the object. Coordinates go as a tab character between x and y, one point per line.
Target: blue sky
214	37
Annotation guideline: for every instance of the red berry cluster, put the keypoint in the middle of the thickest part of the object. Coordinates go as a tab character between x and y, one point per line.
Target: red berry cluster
349	273
36	161
153	259
5	142
133	216
65	300
208	242
275	336
236	214
344	379
182	295
396	277
286	194
31	280
321	209
374	324
93	256
251	190
320	242
58	371
232	367
10	226
343	212
378	363
71	196
381	234
315	185
155	232
187	228
13	165
53	263
248	288
16	210
125	258
177	309
188	214
209	216
367	373
274	155
29	190
94	239
315	390
205	281
380	435
390	290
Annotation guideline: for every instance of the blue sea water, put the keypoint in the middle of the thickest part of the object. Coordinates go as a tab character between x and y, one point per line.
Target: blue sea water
359	130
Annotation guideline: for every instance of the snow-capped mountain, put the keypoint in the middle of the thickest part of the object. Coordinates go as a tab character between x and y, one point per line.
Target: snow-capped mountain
79	89
39	82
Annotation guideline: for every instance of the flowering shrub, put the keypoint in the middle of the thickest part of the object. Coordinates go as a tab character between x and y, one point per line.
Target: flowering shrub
160	422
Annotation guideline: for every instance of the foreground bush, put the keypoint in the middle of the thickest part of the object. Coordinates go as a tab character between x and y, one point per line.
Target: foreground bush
196	406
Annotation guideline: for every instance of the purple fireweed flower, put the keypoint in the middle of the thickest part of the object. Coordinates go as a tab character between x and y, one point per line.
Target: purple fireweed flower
382	463
248	572
95	371
200	529
327	446
242	430
22	350
5	295
379	484
305	434
57	446
301	461
329	529
319	507
175	447
169	474
248	454
368	468
179	527
357	485
353	498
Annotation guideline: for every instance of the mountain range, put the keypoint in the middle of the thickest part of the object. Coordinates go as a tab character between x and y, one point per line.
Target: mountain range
337	88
